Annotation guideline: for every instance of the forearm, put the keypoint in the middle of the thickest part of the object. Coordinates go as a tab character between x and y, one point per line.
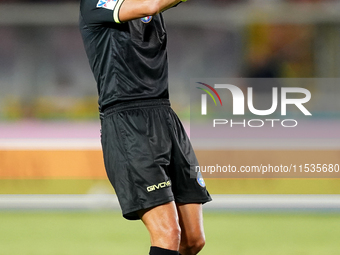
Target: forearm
172	5
133	9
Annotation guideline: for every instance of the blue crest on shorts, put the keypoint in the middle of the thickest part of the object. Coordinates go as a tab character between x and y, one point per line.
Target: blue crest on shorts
146	19
200	179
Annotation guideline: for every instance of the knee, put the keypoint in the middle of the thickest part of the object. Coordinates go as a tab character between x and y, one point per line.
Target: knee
168	237
174	233
192	246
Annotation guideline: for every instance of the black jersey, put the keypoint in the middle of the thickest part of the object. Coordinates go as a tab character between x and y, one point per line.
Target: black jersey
128	60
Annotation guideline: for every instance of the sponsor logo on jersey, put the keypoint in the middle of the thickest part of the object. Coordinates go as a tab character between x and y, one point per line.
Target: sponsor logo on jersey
107	4
200	179
160	185
146	19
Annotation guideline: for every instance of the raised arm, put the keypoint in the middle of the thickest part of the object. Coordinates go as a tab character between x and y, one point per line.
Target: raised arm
133	9
101	12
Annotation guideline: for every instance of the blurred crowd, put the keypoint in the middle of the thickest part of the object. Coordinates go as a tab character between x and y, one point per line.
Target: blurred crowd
44	72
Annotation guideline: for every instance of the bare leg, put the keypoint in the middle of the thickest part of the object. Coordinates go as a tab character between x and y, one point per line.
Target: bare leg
191	223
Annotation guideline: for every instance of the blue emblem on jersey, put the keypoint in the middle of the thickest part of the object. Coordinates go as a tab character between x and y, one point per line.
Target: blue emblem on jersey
146	19
200	179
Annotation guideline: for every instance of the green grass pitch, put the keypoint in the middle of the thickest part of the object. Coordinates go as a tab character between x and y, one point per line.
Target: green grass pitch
104	233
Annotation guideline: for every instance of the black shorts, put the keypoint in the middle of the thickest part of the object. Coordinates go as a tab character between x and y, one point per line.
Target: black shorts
148	157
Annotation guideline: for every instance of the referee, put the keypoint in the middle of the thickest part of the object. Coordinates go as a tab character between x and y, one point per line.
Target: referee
148	156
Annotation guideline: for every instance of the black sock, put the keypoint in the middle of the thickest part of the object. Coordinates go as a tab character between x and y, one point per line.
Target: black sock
160	251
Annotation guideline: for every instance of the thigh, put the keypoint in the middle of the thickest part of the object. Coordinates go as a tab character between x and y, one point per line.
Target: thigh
191	222
187	185
137	152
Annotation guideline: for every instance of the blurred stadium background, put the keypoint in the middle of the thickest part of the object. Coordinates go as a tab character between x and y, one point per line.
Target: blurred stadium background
50	157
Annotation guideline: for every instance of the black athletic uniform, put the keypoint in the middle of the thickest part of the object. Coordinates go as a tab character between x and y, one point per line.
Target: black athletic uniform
147	153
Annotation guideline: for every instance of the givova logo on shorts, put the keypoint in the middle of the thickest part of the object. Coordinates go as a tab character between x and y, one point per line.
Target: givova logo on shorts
160	185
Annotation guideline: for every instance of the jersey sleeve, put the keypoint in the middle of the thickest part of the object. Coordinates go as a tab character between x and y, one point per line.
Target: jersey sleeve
99	12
